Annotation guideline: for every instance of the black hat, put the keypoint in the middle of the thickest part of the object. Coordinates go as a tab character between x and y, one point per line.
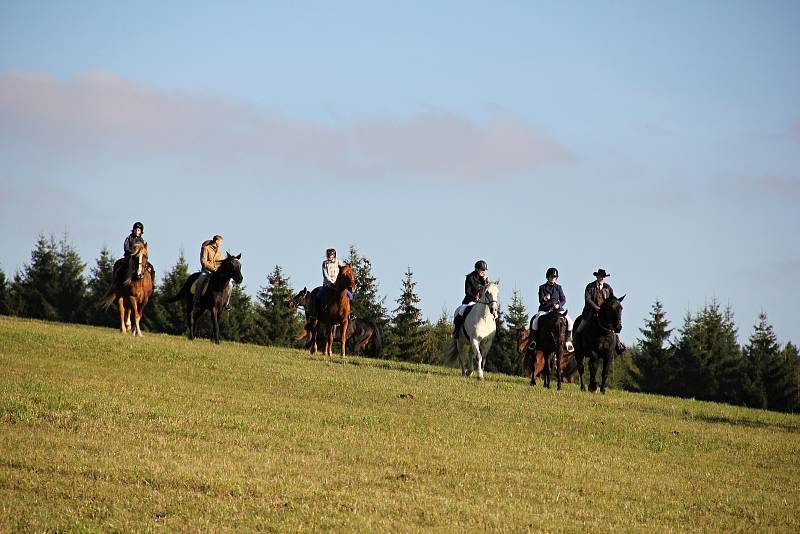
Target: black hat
601	272
552	271
138	225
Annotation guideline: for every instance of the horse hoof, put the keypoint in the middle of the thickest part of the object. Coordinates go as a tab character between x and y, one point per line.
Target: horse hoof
533	382
603	391
583	388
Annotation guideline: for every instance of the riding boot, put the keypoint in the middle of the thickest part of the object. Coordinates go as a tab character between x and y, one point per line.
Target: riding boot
570	346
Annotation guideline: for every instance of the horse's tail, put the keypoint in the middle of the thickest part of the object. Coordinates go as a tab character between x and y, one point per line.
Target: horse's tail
377	340
184	290
528	362
108	298
572	366
451	352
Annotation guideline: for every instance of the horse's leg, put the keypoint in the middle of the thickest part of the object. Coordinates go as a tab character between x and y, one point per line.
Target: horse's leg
121	306
606	361
215	321
476	357
460	352
134	314
546	370
314	333
344	333
593	371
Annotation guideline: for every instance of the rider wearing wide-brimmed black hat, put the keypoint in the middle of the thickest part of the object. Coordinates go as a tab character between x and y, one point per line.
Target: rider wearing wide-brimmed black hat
595	294
474	283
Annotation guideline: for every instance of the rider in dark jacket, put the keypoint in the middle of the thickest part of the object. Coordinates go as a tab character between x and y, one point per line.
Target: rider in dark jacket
473	285
594	295
551	299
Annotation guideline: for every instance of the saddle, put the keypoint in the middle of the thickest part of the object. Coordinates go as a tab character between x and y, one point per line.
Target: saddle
193	289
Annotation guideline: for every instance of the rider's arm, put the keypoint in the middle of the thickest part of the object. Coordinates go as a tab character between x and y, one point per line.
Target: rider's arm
562	298
128	246
590	299
207	259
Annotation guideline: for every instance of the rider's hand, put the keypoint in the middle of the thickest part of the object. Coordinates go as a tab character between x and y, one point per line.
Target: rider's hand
556	306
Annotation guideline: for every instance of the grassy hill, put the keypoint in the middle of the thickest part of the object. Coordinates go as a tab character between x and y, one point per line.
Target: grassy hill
104	432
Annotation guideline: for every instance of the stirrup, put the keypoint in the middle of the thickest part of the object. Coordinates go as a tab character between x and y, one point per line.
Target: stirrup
570	346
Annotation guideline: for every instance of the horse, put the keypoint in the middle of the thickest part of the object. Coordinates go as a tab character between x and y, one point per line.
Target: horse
598	340
215	297
131	295
477	332
333	308
364	336
533	361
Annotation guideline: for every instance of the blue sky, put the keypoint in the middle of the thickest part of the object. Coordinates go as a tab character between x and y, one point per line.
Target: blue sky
660	141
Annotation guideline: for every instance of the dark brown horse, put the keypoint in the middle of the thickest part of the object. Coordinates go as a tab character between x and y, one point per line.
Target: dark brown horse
214	299
533	361
131	293
333	308
599	340
363	337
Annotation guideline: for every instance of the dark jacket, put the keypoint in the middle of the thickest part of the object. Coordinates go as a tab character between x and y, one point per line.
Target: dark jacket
472	286
549	296
590	299
130	242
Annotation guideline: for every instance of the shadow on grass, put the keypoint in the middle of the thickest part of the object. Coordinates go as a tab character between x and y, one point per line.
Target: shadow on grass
731	420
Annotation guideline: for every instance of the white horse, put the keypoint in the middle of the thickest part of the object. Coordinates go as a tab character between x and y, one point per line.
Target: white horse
480	328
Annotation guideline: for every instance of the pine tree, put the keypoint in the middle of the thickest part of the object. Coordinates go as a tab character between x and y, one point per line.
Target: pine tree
517	319
366	303
436	337
71	288
277	323
792	355
170	317
405	330
5	304
36	288
98	285
653	355
708	362
774	372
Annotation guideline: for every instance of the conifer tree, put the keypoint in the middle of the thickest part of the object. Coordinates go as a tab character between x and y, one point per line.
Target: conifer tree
277	323
71	286
517	319
99	283
5	304
435	337
708	362
503	356
36	287
405	331
366	303
775	373
171	317
653	355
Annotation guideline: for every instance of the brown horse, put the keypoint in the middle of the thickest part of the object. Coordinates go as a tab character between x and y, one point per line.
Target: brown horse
334	308
363	337
533	362
132	295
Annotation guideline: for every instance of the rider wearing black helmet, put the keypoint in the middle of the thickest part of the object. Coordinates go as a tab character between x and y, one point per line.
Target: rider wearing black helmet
551	298
128	248
473	285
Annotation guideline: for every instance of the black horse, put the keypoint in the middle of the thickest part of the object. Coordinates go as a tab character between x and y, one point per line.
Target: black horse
552	334
215	297
599	340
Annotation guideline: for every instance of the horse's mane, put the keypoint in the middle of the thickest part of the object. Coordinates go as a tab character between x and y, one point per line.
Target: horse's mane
139	249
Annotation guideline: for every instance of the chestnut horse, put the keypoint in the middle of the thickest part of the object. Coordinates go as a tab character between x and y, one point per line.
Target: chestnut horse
334	308
533	364
132	296
214	299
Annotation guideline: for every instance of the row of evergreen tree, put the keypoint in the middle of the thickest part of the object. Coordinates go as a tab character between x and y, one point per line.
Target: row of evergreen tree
703	361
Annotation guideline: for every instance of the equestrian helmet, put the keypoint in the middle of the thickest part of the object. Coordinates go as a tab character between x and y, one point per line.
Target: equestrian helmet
552	271
480	265
330	251
138	225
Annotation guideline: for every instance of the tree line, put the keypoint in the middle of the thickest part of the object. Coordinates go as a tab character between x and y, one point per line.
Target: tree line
703	361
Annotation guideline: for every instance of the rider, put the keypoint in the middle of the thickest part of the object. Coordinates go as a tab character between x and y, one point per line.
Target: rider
595	294
330	271
473	285
128	248
551	298
210	260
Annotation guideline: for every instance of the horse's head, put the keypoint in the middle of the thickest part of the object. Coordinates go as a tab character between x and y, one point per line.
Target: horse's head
489	296
140	251
346	278
299	299
610	315
231	267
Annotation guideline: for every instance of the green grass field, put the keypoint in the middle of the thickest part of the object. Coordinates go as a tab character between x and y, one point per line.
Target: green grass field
102	432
